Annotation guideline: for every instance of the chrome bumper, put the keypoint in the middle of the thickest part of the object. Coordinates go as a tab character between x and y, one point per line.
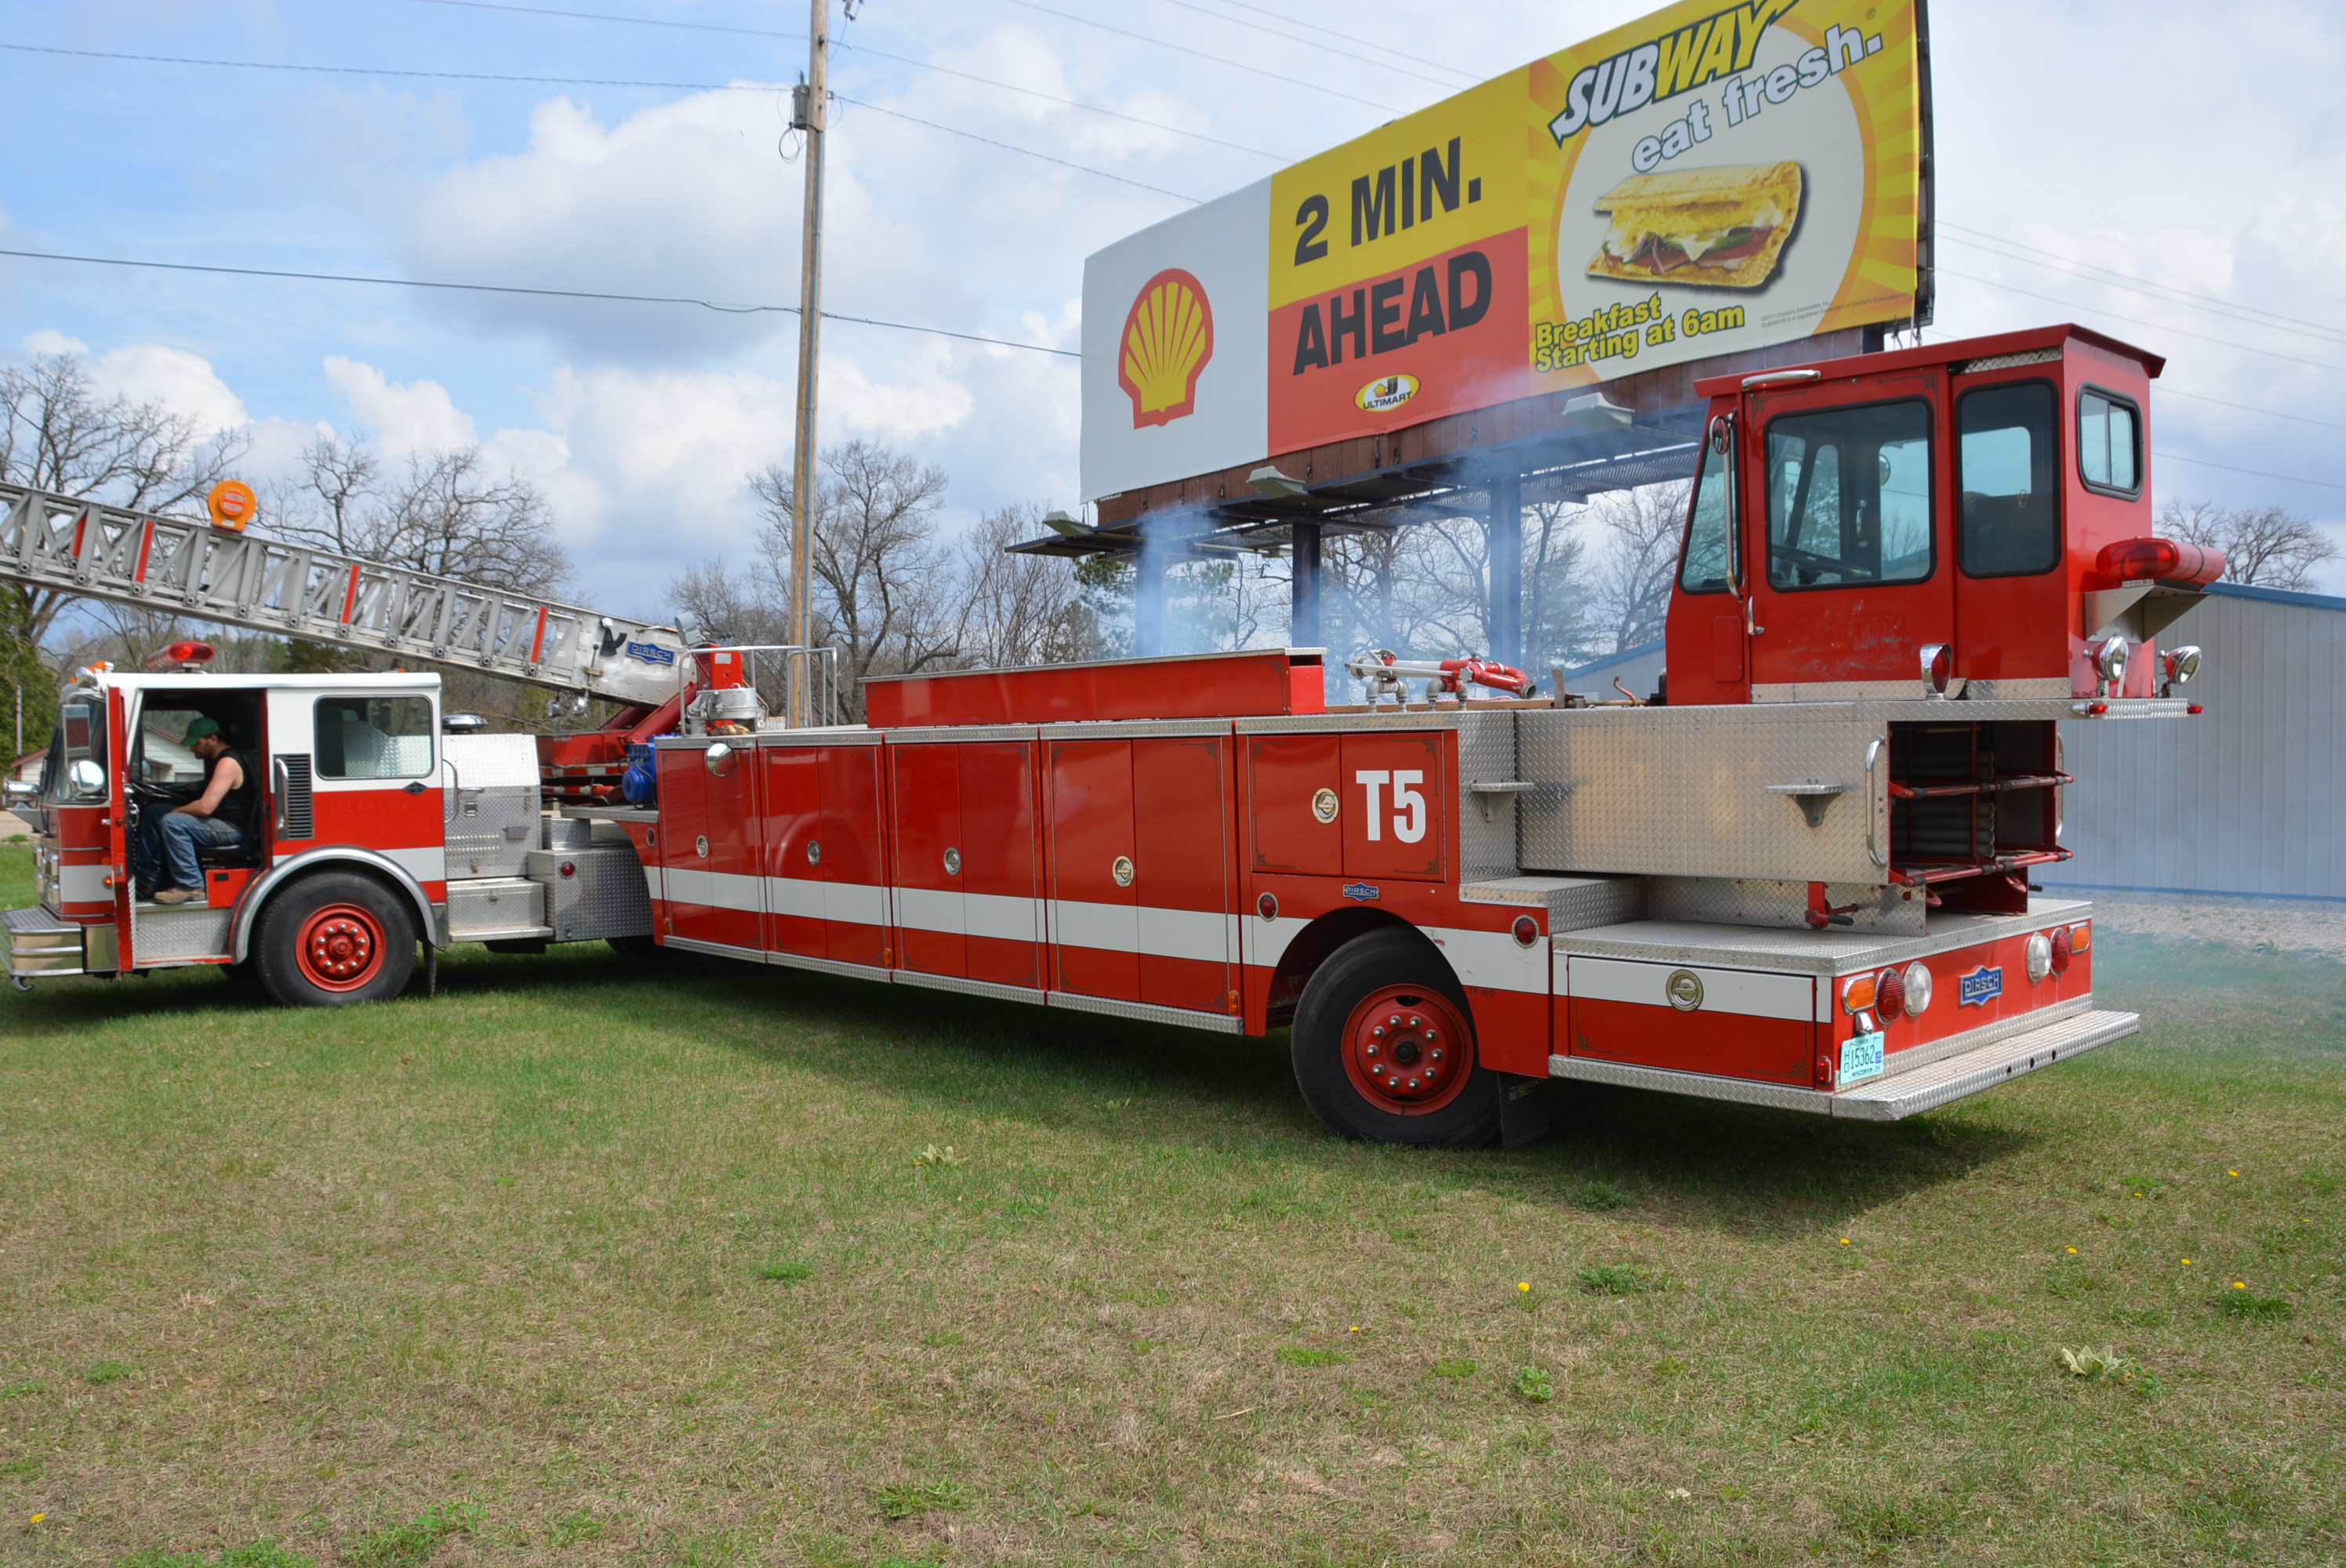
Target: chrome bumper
39	944
1952	1070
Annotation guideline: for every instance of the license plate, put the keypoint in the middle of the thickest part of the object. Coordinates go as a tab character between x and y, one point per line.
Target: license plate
1861	1057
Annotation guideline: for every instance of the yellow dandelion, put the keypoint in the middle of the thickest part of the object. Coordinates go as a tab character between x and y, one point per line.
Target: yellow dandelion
1523	1285
1844	1241
1356	1327
2231	1172
2186	1262
39	1517
2239	1285
2073	1251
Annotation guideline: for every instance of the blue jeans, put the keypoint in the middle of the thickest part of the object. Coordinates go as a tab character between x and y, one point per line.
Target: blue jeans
168	840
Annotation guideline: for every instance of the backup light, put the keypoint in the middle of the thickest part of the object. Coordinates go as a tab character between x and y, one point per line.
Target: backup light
1918	989
2040	957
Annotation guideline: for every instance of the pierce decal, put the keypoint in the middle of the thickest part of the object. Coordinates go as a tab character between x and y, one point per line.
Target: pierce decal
1361	890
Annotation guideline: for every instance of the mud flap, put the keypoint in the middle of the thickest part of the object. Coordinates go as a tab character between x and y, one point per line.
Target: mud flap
1522	1109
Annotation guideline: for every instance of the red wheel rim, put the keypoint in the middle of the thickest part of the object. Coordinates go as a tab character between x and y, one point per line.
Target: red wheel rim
341	947
1408	1050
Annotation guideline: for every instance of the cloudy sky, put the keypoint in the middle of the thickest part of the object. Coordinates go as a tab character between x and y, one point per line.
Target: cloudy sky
2161	172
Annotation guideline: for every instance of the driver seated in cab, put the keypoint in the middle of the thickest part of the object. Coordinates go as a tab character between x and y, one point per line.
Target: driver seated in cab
164	859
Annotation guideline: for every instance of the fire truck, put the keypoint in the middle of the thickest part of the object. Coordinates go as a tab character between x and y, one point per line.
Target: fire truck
1798	877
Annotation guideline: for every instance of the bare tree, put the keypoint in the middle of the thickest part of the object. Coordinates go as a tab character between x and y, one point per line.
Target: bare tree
2267	547
1019	609
443	513
56	433
882	587
1633	586
730	605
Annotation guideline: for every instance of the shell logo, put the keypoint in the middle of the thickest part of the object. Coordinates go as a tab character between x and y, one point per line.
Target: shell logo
1386	391
1167	342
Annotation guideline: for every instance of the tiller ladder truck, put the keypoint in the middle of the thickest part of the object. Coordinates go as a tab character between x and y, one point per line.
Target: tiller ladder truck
1798	878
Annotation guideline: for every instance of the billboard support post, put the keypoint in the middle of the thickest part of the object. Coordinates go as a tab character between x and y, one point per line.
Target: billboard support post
1303	588
1505	548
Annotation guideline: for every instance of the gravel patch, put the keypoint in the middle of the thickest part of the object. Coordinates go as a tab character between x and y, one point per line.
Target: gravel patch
2270	925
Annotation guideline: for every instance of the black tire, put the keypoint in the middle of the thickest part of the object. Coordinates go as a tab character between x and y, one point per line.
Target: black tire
636	949
1404	967
374	909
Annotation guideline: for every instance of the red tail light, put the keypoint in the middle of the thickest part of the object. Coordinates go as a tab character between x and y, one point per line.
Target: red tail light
2167	560
2061	951
1890	994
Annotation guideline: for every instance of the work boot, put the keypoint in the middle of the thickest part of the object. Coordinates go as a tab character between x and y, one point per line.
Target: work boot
174	895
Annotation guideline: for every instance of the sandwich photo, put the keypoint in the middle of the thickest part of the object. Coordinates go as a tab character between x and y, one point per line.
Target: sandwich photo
1710	228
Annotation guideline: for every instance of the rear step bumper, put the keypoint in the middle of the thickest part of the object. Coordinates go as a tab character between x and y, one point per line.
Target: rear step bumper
39	944
1944	1079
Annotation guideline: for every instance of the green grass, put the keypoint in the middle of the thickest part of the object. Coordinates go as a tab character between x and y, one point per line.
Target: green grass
511	1277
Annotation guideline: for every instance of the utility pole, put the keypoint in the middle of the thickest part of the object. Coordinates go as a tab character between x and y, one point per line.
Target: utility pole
810	110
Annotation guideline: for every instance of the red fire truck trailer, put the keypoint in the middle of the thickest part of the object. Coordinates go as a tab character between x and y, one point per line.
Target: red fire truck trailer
1797	880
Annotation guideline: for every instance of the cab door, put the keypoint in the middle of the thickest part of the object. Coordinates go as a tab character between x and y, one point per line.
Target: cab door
360	768
1849	567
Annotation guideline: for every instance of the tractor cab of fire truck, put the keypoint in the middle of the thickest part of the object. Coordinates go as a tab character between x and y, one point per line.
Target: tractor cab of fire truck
1958	519
163	772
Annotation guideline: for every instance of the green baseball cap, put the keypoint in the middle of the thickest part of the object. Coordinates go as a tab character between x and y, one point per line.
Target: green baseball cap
198	730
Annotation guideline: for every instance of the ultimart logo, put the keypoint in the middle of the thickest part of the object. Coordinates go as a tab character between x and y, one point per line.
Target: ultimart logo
1386	391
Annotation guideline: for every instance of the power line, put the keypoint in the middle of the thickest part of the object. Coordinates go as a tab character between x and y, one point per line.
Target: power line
1009	147
1470	77
1296	39
2089	266
2183	297
2253	472
1282	79
1055	98
579	81
534	292
389	71
608	17
875	54
2165	391
2139	321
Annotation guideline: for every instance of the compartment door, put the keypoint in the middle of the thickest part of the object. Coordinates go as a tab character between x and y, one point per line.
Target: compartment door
1001	859
851	856
1095	924
1182	822
791	807
1730	1023
929	859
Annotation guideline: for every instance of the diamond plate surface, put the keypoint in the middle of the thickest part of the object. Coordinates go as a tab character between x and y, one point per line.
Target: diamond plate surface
604	896
1834	953
496	906
567	833
161	935
1702	1086
1958	1077
1147	1011
1486	755
1572	902
1721	901
489	803
1684	792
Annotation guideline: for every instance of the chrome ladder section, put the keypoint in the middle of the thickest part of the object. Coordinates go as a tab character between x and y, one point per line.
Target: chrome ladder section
192	568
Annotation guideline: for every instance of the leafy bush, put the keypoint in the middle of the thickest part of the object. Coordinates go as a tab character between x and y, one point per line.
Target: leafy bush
1532	1384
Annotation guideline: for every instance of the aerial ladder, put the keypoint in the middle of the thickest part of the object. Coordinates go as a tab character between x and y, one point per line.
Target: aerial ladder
211	569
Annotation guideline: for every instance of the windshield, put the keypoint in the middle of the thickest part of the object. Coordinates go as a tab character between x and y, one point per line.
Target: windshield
1848	496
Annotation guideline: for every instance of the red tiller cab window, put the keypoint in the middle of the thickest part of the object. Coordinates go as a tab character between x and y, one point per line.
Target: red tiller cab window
2008	480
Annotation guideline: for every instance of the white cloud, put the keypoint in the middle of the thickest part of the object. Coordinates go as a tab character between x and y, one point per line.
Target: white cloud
49	341
403	417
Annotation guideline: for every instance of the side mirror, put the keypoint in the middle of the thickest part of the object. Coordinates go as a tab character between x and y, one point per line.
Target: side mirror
1722	434
86	777
18	790
721	760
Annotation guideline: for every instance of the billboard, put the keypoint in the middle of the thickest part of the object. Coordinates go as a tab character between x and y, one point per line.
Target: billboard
1699	182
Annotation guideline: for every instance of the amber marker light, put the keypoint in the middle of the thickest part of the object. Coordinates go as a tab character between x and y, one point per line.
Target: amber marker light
232	504
2081	937
1857	995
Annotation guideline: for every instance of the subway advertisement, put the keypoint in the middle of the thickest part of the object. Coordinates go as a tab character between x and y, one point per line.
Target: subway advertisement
1699	182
